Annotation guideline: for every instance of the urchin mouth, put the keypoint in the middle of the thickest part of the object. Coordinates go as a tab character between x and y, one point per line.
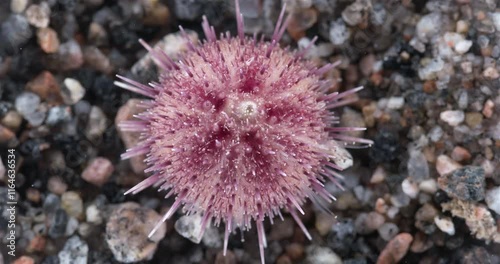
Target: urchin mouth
243	110
246	110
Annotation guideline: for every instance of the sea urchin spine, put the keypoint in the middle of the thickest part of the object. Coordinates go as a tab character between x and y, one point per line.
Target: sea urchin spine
239	129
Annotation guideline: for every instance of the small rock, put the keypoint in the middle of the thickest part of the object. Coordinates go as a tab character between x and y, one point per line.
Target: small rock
57	222
75	251
424	218
48	40
7	137
73	91
68	57
368	223
37	244
57	115
51	203
351	118
321	255
378	175
388	230
229	258
56	185
71	226
46	86
492	199
410	188
96	125
366	64
338	33
467	183
211	237
421	243
301	21
27	103
431	69
97	35
428	186
435	134
462	26
18	6
155	13
460	154
426	26
98	171
396	249
357	12
130	139
33	195
395	103
496	20
323	224
188	10
189	226
491	73
473	119
97	60
72	203
295	251
381	206
24	260
477	217
452	117
12	120
16	31
85	229
39	15
445	224
93	215
445	165
418	168
282	229
463	46
488	108
127	232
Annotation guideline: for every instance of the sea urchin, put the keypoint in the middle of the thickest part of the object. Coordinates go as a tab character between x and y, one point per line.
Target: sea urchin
239	129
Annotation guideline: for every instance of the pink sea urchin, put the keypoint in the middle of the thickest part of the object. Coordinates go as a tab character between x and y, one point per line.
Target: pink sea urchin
239	129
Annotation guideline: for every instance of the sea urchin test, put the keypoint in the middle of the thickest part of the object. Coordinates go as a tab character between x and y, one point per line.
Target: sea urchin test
239	129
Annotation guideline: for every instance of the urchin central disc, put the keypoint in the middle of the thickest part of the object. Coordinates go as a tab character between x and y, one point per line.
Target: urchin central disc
246	109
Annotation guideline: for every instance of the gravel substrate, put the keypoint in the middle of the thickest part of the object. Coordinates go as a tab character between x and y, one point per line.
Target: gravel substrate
427	191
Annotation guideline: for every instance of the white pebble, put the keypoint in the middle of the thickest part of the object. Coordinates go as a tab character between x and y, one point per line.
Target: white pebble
410	188
18	6
27	103
431	69
463	46
427	26
392	212
493	199
378	175
71	226
496	20
395	102
388	231
428	186
74	91
338	32
445	224
93	215
452	117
